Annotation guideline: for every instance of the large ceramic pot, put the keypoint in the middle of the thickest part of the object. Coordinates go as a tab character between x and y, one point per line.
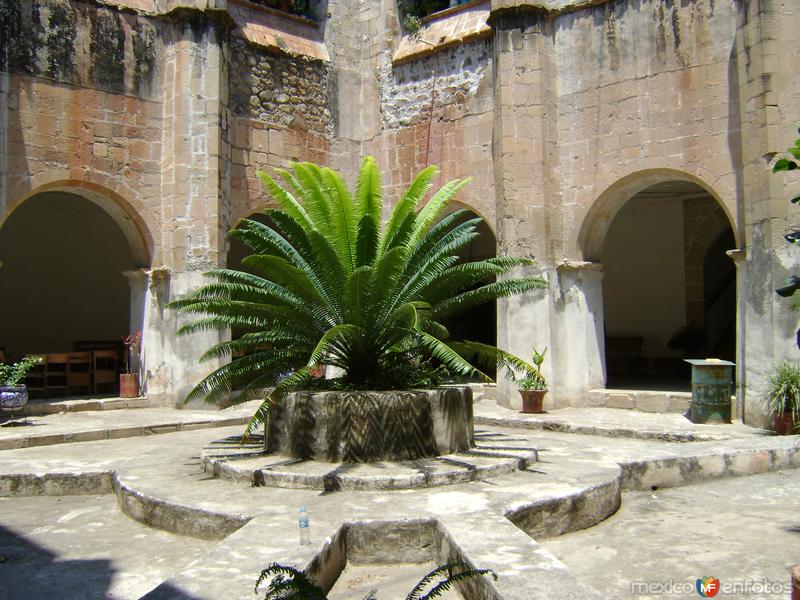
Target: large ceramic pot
129	385
532	400
13	398
785	423
367	426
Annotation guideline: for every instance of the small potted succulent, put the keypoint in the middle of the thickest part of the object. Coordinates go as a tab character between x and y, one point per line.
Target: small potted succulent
129	380
533	386
13	393
783	396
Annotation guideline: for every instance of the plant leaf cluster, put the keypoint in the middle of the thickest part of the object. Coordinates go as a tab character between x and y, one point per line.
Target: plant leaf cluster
792	283
783	389
533	379
14	374
332	284
289	583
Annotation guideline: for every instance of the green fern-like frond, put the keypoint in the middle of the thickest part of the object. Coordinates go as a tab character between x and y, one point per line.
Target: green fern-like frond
328	283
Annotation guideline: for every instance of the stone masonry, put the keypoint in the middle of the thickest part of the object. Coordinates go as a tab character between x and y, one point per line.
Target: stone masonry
162	111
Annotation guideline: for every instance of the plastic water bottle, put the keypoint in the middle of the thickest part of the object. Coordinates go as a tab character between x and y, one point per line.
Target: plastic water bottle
305	528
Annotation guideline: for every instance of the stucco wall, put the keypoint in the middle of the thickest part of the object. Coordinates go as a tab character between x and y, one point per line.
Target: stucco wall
641	86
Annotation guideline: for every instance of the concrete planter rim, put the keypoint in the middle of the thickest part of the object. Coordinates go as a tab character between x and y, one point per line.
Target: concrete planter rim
372	426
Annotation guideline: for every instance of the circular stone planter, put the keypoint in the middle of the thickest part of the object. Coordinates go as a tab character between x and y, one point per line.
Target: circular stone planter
368	426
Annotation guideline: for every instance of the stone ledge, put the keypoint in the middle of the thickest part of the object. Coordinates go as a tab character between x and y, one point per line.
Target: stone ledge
91	435
641	400
276	31
228	459
46	407
174	517
609	431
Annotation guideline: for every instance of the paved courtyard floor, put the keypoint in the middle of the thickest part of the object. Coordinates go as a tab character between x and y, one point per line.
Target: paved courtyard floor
744	531
81	547
589	462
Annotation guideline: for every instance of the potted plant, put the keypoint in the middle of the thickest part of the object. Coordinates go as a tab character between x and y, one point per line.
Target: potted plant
783	396
533	386
13	393
129	380
338	286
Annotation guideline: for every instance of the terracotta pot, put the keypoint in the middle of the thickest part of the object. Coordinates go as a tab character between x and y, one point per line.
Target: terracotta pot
129	385
784	423
532	400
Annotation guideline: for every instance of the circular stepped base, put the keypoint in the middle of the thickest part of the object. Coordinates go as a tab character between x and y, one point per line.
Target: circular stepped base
494	454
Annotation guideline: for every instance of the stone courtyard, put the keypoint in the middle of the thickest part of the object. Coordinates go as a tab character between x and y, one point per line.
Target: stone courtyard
579	507
625	145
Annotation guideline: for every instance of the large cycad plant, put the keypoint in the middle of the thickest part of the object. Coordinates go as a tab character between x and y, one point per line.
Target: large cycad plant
331	284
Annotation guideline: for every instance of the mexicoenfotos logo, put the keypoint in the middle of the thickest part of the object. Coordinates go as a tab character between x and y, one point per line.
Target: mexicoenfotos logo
707	587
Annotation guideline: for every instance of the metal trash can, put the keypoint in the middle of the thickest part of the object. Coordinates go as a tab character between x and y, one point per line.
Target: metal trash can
711	390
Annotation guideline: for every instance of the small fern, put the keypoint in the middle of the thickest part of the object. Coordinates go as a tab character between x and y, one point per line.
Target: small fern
453	577
289	583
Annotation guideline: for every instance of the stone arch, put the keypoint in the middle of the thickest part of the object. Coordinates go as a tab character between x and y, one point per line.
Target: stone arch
480	324
652	231
75	256
598	219
128	217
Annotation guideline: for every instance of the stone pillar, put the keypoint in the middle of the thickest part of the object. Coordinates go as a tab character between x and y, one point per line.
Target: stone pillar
359	37
769	112
578	323
195	191
526	175
171	362
739	258
137	281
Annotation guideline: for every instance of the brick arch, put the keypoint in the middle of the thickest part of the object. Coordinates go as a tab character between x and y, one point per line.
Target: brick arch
127	216
598	219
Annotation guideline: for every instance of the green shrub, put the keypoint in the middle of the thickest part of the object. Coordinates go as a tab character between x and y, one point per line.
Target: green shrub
783	391
336	286
14	375
534	379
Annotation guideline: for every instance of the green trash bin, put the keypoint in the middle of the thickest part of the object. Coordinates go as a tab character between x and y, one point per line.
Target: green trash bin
712	379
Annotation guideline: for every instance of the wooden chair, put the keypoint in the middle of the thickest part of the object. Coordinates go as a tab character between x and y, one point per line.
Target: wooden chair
79	374
105	367
55	374
35	379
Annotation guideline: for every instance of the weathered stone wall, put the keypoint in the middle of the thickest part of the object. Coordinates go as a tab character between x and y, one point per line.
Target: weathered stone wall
560	110
83	44
279	89
630	102
452	76
437	109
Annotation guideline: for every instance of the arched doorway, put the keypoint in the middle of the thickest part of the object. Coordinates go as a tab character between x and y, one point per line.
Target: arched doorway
480	323
64	274
668	287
